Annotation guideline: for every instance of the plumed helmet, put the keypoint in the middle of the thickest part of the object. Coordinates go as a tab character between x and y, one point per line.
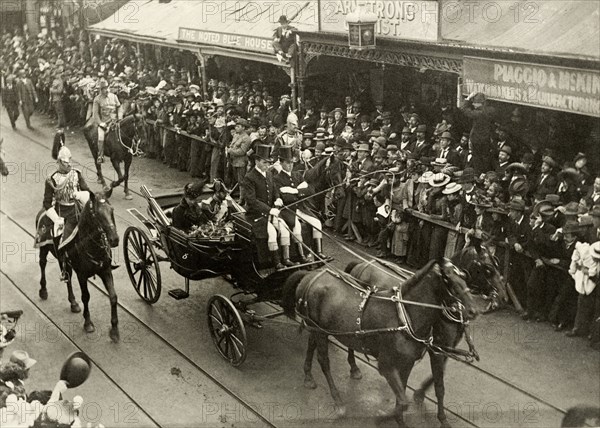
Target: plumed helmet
64	154
292	119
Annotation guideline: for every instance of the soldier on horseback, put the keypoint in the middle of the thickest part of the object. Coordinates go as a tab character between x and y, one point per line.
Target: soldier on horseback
63	190
106	110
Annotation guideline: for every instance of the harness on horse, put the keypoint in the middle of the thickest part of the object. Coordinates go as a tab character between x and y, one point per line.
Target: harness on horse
134	150
404	321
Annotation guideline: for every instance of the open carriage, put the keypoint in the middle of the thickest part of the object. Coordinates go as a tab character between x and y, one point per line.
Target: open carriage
229	251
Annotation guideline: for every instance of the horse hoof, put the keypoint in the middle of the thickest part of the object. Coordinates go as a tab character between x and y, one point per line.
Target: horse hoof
419	397
114	335
44	294
75	308
310	384
340	411
89	327
356	374
128	197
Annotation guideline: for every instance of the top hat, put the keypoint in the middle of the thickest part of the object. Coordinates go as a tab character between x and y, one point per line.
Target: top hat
285	153
283	20
264	152
76	369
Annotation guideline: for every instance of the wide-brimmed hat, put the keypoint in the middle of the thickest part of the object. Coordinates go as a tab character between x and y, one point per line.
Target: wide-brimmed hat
518	186
553	199
548	160
264	152
76	369
285	153
342	143
479	98
569	174
22	359
467	176
546	211
440	162
517	167
439	180
571	227
338	109
425	177
452	188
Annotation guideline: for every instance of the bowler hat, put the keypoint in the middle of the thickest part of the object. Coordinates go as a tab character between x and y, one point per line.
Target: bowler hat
579	156
447	135
76	369
283	20
342	143
264	152
517	167
479	98
422	128
527	158
571	209
549	161
406	130
381	141
569	174
386	115
285	153
516	204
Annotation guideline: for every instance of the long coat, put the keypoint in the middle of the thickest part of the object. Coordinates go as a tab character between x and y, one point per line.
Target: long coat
481	132
259	192
239	149
27	95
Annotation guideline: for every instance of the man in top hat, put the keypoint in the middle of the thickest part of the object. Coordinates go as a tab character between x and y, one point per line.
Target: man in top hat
258	189
237	151
284	40
322	120
290	188
446	151
63	189
106	110
546	182
540	247
482	116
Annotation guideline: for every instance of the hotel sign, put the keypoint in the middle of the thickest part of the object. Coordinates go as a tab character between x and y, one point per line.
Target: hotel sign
235	41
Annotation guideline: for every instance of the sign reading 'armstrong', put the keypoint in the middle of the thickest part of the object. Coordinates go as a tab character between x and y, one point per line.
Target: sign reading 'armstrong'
234	41
556	88
412	20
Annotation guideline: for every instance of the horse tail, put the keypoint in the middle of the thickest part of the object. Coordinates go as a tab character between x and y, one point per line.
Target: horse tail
577	416
288	301
350	267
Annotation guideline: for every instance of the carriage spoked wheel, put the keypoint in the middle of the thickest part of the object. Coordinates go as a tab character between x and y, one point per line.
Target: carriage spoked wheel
227	329
142	264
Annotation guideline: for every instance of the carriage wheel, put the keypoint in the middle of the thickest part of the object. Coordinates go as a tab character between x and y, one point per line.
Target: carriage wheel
142	264
227	329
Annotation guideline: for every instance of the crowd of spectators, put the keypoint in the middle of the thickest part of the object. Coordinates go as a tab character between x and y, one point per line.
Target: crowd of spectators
415	179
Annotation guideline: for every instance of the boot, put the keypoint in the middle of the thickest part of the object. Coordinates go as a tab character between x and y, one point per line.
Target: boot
285	250
301	257
319	248
100	152
277	260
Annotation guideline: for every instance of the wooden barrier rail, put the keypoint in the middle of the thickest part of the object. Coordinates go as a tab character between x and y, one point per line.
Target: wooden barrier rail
181	132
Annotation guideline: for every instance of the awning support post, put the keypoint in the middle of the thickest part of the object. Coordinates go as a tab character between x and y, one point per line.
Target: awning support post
293	87
202	72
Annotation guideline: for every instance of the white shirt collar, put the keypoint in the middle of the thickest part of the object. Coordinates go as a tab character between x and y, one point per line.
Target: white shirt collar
264	174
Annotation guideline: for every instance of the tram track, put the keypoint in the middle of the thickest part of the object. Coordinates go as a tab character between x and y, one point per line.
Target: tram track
369	363
189	360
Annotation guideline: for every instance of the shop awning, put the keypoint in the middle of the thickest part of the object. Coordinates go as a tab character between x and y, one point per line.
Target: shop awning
229	28
564	28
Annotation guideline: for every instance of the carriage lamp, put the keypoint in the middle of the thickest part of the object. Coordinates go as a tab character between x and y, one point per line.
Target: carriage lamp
361	29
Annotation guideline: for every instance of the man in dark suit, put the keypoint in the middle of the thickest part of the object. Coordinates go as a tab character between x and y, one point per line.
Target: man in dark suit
422	149
546	182
28	97
447	152
540	247
259	192
340	122
481	116
10	99
503	160
518	236
407	143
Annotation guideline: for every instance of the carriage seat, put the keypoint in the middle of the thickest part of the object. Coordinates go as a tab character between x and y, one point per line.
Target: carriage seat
169	213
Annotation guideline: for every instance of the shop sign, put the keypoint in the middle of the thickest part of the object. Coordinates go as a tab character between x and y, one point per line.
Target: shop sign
235	41
400	20
556	88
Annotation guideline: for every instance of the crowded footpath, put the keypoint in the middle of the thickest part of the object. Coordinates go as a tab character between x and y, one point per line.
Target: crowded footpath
418	182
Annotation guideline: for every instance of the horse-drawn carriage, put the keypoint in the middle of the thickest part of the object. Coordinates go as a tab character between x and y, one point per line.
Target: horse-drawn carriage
229	251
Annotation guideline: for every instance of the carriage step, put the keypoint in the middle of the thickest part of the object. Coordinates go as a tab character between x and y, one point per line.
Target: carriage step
179	294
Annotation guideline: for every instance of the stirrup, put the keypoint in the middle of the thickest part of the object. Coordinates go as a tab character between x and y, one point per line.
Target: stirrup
64	276
100	159
114	266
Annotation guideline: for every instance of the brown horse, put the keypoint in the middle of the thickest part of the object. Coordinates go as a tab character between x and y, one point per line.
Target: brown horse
393	326
88	254
482	272
120	144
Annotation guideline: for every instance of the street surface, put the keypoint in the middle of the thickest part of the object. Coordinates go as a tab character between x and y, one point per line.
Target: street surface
166	371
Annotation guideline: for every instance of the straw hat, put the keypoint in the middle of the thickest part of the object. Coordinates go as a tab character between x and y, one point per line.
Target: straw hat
439	180
425	177
452	188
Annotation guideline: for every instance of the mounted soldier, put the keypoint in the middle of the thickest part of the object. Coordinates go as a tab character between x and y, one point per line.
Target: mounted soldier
106	111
